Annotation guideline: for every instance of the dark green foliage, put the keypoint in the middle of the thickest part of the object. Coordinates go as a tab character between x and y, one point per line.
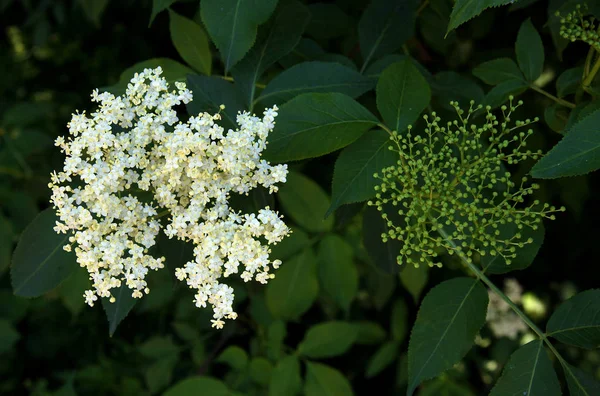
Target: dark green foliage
340	317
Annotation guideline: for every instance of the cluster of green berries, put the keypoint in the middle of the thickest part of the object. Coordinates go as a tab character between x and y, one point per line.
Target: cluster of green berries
450	191
576	25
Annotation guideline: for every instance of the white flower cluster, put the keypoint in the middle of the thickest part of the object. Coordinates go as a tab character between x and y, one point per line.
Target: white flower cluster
134	162
503	322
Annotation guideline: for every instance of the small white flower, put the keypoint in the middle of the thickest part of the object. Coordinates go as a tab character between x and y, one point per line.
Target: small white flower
137	142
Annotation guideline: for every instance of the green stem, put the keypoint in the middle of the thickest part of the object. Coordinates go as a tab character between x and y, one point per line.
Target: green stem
481	276
554	98
257	85
385	128
587	81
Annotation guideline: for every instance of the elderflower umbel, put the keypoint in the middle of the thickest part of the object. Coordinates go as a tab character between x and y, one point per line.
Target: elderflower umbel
578	25
449	190
133	169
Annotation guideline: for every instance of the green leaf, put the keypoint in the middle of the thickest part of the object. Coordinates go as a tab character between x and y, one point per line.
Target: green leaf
314	76
450	316
528	372
294	288
157	347
305	202
328	339
39	263
384	26
556	116
353	179
159	6
414	280
576	154
234	356
212	92
316	124
525	255
260	370
402	94
191	42
498	71
568	81
172	71
72	290
383	255
327	21
577	320
291	245
466	9
399	321
286	379
369	333
579	382
498	95
117	311
322	380
275	40
232	25
530	51
8	336
6	243
160	373
93	9
445	387
385	355
192	385
337	272
450	86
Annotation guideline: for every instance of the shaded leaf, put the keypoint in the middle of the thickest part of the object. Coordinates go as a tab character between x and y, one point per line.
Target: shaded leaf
316	124
414	280
384	26
210	93
530	51
233	24
385	355
528	372
313	77
576	154
369	333
275	40
337	272
464	10
327	21
157	7
525	255
353	179
172	71
501	92
8	336
577	320
498	71
305	202
39	263
191	386
450	316
402	94
399	321
191	42
568	81
328	339
294	288
234	356
383	255
286	379
117	311
579	382
322	380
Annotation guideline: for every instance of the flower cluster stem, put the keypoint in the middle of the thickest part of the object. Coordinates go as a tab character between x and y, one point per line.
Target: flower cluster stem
554	98
481	276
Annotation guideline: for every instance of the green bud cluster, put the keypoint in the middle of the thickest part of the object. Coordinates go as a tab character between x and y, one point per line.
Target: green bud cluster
450	192
576	25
